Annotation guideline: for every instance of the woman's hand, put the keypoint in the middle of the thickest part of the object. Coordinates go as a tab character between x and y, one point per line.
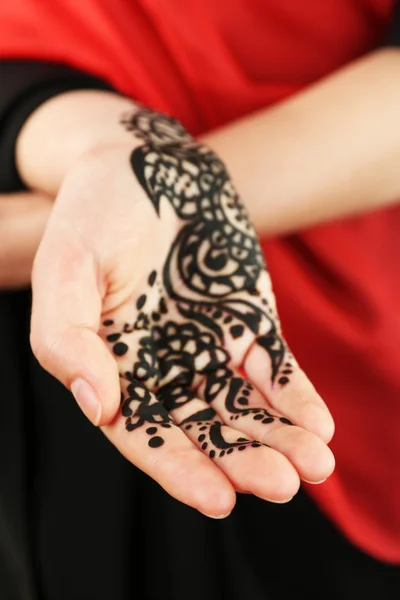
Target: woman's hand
23	217
150	280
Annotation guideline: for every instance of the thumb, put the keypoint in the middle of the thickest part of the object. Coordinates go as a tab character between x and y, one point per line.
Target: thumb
66	312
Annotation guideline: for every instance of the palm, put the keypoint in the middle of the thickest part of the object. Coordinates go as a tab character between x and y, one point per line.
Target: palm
205	316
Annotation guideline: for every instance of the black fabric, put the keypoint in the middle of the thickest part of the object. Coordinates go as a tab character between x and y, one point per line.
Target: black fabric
78	522
392	37
25	85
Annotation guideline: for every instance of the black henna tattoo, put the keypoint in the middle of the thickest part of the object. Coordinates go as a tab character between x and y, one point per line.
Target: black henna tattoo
217	259
140	408
237	398
210	437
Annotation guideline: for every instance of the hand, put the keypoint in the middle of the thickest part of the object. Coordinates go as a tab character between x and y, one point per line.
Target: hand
23	217
152	251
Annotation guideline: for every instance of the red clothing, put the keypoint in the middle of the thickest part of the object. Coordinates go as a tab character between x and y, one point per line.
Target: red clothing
208	62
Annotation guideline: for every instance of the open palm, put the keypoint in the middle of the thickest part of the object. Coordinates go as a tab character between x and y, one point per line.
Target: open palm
212	399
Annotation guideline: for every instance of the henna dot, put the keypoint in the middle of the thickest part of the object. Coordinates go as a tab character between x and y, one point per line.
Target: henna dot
141	301
108	322
264	301
201	437
151	430
246	393
155	316
283	380
113	337
120	348
256	444
212	453
288	364
236	418
152	278
217	314
222	453
269	420
241	439
228	320
243	401
204	446
230	418
245	413
242	447
258	417
163	306
286	421
199	423
130	427
229	451
166	425
156	442
236	331
287	372
203	428
188	427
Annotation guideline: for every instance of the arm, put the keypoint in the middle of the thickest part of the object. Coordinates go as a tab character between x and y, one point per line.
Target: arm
23	216
149	249
329	152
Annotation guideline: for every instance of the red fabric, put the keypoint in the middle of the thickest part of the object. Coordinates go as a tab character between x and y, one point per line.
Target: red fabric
209	61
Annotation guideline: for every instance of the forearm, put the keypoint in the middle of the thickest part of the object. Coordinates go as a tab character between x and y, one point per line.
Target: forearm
23	217
326	153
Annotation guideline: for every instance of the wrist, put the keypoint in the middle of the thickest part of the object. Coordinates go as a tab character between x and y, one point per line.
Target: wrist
65	128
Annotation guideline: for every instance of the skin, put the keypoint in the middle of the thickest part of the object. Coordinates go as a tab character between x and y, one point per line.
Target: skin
23	217
85	275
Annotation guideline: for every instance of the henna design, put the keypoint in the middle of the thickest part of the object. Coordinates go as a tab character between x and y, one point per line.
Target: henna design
209	435
183	353
139	407
215	257
238	393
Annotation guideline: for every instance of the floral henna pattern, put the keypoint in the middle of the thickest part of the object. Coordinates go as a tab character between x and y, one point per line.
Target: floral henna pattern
216	258
140	408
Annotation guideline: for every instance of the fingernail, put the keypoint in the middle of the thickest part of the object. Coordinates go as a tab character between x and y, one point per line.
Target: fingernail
277	501
315	482
216	517
87	399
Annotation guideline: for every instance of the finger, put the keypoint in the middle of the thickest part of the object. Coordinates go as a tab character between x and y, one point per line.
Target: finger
272	369
147	436
253	339
23	218
242	406
260	470
65	320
